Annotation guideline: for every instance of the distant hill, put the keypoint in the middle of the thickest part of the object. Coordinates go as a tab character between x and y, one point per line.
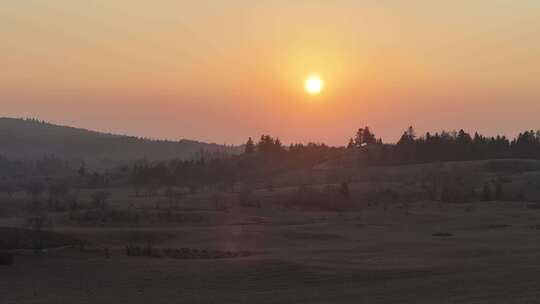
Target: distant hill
32	139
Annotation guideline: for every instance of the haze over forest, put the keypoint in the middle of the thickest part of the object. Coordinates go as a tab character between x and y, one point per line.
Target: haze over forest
269	151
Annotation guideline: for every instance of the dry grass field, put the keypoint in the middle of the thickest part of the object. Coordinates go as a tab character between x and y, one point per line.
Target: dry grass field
366	248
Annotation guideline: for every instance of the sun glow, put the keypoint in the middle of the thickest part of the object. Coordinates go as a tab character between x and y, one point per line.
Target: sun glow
314	84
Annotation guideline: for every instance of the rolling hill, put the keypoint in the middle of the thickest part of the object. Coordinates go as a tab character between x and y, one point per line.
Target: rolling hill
32	139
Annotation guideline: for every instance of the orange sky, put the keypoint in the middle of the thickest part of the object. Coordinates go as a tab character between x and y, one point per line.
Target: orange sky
221	71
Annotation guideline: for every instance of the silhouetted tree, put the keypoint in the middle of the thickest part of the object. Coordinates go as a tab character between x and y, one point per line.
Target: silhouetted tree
250	147
350	145
368	138
8	188
364	137
359	138
99	199
82	170
499	194
34	189
344	189
269	145
406	147
486	192
57	192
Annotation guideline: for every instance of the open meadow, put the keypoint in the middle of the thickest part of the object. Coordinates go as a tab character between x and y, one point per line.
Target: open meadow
406	234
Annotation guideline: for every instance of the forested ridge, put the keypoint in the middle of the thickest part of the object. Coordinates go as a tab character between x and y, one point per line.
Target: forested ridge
33	139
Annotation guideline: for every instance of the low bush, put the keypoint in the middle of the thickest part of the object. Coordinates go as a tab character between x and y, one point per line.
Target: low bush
534	206
442	234
309	199
6	258
457	195
15	238
496	226
121	217
512	166
183	253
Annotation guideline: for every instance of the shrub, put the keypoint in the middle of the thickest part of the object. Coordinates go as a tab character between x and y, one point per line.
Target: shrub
499	194
307	198
486	192
6	258
16	238
222	203
96	216
344	190
99	198
442	234
34	189
496	226
119	216
244	199
183	253
512	166
520	198
535	206
8	188
457	195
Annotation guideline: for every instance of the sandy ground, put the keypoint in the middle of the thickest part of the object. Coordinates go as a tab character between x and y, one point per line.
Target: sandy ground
368	256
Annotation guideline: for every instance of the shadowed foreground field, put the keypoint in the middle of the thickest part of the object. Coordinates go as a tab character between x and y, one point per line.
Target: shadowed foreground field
411	234
488	252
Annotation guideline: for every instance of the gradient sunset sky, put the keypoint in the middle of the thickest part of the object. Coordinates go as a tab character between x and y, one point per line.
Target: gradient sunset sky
223	70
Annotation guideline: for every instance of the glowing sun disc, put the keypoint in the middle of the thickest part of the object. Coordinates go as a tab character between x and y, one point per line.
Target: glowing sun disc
314	84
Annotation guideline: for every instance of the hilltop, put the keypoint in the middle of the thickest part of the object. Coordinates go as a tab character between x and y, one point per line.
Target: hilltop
32	139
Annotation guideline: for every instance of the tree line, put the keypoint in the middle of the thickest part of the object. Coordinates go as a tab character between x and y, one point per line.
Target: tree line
440	146
268	157
447	146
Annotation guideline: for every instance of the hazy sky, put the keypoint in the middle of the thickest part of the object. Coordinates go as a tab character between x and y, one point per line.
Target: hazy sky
224	70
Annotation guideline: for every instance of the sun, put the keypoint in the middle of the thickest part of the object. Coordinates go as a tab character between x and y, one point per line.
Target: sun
314	84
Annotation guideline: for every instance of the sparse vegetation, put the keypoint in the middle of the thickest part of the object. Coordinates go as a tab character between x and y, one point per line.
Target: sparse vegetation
443	234
274	200
99	199
17	238
6	259
183	253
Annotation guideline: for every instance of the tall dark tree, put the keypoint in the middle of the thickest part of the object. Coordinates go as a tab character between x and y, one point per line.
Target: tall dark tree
406	147
463	138
368	137
250	146
350	145
364	137
359	138
82	170
267	144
